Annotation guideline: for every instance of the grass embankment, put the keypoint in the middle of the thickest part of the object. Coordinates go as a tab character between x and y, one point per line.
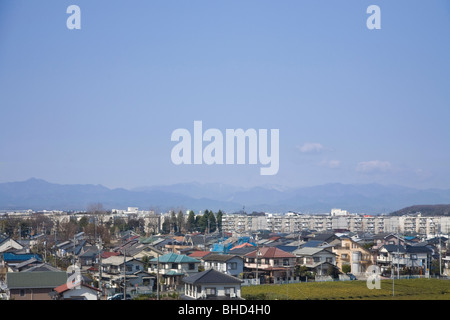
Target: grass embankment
411	289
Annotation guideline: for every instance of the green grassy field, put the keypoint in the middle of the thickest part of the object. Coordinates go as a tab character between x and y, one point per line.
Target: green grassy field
412	289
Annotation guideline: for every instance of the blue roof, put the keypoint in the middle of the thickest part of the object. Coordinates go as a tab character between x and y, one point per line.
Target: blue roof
287	248
175	258
312	244
11	256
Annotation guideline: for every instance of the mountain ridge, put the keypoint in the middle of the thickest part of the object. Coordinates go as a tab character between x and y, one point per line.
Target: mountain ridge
38	194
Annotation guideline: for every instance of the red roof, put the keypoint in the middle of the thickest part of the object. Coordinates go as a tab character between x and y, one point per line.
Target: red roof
270	252
246	244
199	254
108	254
63	288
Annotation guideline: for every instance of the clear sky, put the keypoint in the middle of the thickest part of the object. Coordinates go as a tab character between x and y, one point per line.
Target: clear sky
352	105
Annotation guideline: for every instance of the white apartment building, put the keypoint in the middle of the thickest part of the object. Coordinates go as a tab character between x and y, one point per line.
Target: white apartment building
355	223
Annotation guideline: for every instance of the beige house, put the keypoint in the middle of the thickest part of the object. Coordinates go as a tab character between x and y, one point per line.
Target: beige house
270	264
350	252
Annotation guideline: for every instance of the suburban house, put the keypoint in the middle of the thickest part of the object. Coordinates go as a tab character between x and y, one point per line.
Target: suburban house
8	245
229	264
270	264
173	267
316	259
33	285
387	238
354	254
212	285
115	265
11	259
80	292
412	257
89	257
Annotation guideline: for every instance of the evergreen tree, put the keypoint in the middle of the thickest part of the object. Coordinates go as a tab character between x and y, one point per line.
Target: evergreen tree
212	222
173	221
190	223
219	220
180	221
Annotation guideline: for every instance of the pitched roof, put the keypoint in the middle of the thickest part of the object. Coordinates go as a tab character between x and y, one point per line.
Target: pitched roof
219	257
108	254
13	257
211	276
45	279
245	244
309	251
270	252
175	258
199	254
63	288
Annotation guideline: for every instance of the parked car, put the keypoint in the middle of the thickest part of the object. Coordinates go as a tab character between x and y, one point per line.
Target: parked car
352	276
119	296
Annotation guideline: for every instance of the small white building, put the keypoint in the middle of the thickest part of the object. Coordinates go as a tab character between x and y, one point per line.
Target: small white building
80	292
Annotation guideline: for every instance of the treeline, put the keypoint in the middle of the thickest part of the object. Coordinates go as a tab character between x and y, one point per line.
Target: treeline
206	222
425	210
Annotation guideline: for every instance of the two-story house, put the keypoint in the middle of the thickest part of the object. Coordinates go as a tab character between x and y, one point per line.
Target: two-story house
269	264
173	267
354	254
212	285
226	263
115	268
317	260
416	258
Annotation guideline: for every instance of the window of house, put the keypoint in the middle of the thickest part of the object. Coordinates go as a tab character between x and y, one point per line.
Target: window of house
330	260
22	292
316	259
191	266
229	291
174	265
414	257
285	262
210	291
232	266
275	262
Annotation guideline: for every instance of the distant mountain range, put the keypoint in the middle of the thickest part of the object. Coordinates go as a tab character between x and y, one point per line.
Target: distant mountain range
37	194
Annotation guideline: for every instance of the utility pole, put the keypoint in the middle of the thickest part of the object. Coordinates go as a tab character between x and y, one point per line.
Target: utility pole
124	274
100	246
157	277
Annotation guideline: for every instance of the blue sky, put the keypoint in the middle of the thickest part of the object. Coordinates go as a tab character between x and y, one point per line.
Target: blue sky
98	105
